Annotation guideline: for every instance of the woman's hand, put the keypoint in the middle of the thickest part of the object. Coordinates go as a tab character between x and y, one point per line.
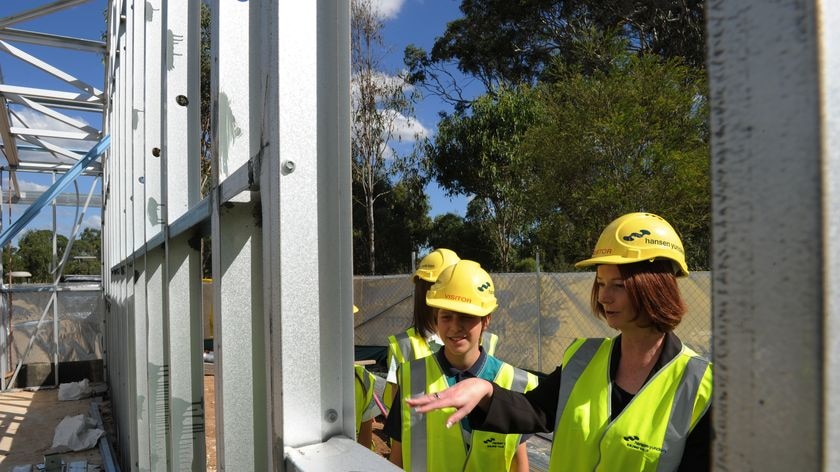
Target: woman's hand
463	396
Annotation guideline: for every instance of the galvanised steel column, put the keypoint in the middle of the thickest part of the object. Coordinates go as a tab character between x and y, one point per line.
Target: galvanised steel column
180	173
239	328
135	211
148	225
828	18
305	187
769	236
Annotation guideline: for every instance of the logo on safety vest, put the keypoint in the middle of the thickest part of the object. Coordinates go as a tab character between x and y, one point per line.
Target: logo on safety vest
633	442
493	443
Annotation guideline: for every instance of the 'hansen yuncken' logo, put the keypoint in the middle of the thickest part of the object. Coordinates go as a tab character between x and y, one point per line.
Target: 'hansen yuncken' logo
493	443
633	442
642	233
483	286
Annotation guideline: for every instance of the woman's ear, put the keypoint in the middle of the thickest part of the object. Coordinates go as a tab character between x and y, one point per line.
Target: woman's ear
485	322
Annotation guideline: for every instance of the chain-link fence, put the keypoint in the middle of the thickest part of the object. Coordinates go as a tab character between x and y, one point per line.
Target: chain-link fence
539	314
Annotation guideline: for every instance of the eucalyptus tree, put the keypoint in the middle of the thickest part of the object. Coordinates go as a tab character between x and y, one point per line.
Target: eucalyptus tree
383	128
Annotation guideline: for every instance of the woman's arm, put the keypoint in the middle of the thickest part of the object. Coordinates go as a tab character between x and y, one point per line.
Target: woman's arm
463	396
499	410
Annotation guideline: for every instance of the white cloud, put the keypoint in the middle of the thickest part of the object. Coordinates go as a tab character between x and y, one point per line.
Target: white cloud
404	128
407	129
35	119
381	82
388	9
92	221
26	185
29	118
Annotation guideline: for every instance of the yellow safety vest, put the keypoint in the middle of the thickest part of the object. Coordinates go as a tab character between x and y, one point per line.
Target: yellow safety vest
364	393
408	346
648	435
427	445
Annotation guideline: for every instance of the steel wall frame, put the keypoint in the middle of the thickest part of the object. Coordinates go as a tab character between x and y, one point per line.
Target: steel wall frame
828	17
279	219
279	216
773	73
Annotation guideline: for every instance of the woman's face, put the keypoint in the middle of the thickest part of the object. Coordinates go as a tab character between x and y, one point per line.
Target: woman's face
612	296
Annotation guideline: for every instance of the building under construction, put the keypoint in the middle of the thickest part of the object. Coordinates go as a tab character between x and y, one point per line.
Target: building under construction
276	215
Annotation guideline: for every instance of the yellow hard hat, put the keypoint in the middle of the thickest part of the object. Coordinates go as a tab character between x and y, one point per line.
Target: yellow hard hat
433	264
464	288
638	237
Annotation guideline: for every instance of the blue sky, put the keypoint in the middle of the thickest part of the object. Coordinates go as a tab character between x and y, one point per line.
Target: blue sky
419	22
406	22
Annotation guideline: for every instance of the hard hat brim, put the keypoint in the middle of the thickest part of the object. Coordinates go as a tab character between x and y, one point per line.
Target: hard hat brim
681	271
461	307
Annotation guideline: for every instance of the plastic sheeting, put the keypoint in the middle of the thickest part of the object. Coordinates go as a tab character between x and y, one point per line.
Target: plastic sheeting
80	317
76	433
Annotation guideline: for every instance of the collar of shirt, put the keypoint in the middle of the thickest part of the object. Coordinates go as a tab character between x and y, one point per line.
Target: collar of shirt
672	346
454	375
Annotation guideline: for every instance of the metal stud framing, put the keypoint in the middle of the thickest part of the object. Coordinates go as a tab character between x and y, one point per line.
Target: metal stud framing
278	216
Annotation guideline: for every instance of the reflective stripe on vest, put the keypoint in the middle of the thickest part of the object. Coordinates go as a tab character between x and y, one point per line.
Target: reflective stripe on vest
648	435
428	445
408	346
404	347
489	342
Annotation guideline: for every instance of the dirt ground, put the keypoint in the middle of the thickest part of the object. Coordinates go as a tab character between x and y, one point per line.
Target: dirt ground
27	426
210	420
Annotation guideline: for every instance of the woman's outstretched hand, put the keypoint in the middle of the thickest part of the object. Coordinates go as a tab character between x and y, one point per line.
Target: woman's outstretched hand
463	396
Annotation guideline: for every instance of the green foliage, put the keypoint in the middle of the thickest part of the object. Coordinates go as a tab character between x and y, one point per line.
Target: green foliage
402	226
500	42
206	140
630	138
477	154
511	42
464	237
35	251
86	253
528	264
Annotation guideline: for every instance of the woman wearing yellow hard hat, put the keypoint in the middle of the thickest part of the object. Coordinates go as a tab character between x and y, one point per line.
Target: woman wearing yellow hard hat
635	402
420	339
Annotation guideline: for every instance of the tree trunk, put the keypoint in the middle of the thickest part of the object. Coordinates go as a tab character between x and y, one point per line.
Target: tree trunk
371	236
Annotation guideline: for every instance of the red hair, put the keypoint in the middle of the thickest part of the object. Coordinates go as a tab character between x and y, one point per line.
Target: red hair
653	292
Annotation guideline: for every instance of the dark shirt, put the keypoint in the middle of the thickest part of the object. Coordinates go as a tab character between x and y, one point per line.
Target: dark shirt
483	367
533	412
